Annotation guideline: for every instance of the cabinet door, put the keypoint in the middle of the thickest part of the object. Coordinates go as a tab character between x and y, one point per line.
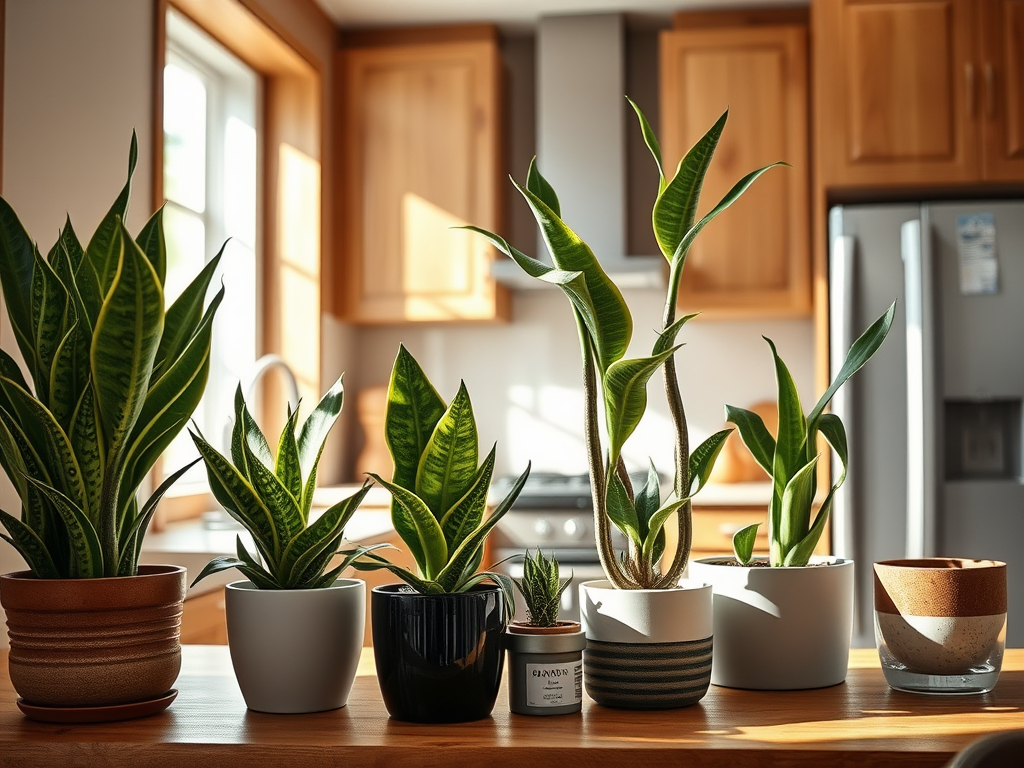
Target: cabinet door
896	91
1001	57
754	259
422	156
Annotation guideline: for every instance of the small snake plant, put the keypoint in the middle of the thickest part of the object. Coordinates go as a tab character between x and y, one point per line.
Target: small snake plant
114	380
791	458
605	328
541	589
438	491
271	497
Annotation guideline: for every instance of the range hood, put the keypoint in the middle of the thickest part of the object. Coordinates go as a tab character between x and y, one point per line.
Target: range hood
581	143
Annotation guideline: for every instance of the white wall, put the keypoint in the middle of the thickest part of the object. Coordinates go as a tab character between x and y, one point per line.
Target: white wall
78	77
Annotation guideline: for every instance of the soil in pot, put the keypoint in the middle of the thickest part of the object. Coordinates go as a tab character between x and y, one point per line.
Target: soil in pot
439	658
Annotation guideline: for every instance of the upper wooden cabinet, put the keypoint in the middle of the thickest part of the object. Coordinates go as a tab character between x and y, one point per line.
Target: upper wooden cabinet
421	137
754	259
919	91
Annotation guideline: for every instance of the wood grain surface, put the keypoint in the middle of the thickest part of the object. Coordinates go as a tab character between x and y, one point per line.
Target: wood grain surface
861	722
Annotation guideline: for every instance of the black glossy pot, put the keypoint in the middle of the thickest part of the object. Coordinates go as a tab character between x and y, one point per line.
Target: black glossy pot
439	657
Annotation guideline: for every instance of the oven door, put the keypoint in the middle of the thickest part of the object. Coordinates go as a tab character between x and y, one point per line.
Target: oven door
569	610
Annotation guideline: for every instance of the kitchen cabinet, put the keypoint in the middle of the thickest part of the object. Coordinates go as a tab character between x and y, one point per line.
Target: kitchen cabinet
919	92
755	259
421	154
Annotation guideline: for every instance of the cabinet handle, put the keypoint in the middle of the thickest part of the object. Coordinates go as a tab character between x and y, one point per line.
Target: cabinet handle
969	77
990	91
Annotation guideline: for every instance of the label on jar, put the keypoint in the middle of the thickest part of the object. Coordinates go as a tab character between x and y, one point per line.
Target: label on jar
554	685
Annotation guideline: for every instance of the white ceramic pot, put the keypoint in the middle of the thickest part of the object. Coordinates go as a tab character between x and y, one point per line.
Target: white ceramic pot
646	648
295	650
780	628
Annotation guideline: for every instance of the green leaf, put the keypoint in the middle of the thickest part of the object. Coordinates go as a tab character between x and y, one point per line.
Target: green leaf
755	435
69	375
283	507
676	206
625	397
313	437
30	546
218	564
253	570
790	443
795	517
503	582
569	253
376	563
667	338
621	511
743	543
184	317
152	242
648	500
652	144
861	351
17	262
86	291
315	539
834	431
49	316
800	555
450	576
140	522
656	525
104	249
414	409
286	465
539	186
88	560
428	538
466	514
702	460
449	461
246	432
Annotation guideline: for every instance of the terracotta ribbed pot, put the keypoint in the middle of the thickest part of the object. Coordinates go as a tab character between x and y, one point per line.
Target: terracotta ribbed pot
94	642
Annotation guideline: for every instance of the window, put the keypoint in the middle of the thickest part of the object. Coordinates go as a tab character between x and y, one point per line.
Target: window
211	140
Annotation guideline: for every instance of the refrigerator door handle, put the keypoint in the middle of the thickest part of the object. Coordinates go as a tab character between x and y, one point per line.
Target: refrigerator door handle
841	302
921	476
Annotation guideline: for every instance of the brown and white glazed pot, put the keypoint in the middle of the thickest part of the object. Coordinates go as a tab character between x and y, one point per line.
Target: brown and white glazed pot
940	616
94	642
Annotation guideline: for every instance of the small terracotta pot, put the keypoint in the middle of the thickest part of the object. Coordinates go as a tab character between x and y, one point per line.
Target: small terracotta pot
94	642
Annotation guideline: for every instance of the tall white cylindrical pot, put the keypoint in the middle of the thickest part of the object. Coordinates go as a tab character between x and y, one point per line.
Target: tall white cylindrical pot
295	650
780	628
646	648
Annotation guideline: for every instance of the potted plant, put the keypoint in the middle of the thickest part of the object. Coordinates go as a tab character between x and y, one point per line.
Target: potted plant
295	630
114	379
437	638
545	655
642	622
784	622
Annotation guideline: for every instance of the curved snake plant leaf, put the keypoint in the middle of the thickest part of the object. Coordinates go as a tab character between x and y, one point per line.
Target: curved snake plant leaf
570	253
286	464
86	292
800	555
88	555
140	522
184	317
832	428
87	443
621	510
794	518
429	538
667	338
216	565
69	375
449	461
246	432
861	351
313	437
702	460
743	543
541	188
452	572
755	435
152	242
647	500
104	246
652	144
503	582
625	397
791	440
376	563
656	525
30	546
676	207
19	462
253	569
17	262
466	514
314	563
413	410
313	540
49	315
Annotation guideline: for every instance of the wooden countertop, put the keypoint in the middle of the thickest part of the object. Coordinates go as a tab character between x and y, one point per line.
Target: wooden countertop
861	722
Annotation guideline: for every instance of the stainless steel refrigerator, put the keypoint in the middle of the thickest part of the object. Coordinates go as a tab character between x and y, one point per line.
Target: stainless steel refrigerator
934	419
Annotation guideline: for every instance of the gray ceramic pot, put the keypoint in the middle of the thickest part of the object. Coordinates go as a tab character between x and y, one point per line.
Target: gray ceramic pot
545	668
295	650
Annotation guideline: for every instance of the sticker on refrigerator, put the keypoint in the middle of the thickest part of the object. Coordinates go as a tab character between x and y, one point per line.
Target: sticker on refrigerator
976	242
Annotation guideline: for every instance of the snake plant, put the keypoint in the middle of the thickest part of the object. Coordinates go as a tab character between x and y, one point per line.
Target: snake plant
271	497
438	490
618	383
114	379
541	589
791	458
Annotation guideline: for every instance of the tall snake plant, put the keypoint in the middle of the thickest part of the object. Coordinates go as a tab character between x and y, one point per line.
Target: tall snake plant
605	328
114	379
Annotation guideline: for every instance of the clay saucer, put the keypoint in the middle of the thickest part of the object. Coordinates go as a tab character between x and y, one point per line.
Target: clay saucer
105	714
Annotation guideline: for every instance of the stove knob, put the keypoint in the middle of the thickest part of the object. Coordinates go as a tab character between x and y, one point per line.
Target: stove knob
574	528
542	528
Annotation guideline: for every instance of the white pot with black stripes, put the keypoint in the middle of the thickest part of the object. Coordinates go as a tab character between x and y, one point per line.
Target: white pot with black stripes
647	648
